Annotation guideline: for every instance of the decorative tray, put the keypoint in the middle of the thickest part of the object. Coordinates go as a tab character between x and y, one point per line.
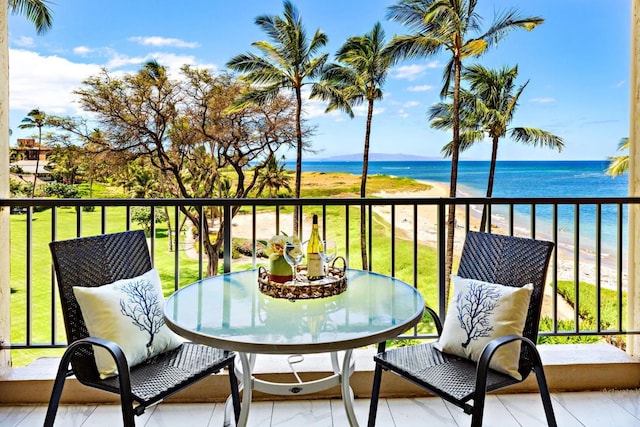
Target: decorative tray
334	283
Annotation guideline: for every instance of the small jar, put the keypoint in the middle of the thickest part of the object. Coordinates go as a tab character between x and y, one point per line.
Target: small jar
279	270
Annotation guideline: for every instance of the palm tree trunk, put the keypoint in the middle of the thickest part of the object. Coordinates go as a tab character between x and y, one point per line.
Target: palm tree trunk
363	188
451	217
492	171
296	195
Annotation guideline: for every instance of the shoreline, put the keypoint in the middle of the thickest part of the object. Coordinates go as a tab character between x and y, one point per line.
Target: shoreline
427	233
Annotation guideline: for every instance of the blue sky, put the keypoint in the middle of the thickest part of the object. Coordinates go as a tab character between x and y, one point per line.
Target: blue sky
577	63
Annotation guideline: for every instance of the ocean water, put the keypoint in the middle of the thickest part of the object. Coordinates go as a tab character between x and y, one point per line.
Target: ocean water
520	179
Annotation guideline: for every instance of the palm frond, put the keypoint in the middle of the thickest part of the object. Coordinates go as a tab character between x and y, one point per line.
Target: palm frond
36	11
536	138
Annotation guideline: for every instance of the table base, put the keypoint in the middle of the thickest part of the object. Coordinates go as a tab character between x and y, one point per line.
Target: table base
340	376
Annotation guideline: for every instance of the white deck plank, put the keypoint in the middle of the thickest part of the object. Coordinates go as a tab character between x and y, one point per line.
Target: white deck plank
620	408
419	412
297	413
597	409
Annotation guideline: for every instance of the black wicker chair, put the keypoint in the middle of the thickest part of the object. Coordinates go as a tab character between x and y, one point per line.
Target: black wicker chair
491	258
100	260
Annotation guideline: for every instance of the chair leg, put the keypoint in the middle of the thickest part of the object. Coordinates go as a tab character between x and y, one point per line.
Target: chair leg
546	397
56	392
235	394
478	410
375	392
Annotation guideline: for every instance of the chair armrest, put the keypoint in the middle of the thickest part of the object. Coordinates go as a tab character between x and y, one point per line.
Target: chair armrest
436	319
490	349
114	350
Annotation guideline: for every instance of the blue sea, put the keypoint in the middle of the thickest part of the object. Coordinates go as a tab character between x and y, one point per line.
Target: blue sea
519	179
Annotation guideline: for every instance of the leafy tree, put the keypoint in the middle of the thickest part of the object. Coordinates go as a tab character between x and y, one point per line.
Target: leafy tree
358	78
141	215
35	119
273	177
62	191
454	26
289	61
182	129
619	165
488	108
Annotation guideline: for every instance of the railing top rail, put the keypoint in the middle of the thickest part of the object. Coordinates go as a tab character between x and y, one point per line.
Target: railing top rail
317	201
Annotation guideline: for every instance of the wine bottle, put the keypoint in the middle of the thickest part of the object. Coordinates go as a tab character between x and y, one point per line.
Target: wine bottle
314	247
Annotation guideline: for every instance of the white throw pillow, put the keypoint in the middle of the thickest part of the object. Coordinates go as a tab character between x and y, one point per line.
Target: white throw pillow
129	312
480	312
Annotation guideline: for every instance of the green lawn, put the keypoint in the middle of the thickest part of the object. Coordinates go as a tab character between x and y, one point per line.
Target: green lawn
42	287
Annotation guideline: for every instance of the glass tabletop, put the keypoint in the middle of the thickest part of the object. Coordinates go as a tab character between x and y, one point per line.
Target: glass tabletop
229	311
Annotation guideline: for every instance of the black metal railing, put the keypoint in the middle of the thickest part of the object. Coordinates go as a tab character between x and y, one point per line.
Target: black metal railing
405	238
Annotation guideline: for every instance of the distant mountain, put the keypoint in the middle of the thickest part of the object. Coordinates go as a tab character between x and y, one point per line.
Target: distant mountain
356	157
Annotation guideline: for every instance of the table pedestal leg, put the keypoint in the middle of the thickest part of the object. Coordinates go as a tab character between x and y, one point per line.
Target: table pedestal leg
246	387
347	392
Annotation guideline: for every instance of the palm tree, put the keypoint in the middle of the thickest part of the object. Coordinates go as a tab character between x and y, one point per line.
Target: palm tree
289	61
619	165
273	176
364	62
452	25
36	11
488	108
35	119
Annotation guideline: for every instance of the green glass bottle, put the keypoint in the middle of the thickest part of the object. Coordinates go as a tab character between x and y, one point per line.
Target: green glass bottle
314	247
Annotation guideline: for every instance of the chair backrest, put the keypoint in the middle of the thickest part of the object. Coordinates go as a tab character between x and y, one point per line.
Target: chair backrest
512	261
91	262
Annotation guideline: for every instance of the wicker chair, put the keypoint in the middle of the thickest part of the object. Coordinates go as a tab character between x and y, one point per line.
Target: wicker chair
491	258
99	260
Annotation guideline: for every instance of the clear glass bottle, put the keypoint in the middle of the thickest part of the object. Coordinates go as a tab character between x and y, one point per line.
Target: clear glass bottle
314	247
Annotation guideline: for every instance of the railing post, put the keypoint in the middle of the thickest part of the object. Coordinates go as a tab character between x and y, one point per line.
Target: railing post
5	279
228	249
633	303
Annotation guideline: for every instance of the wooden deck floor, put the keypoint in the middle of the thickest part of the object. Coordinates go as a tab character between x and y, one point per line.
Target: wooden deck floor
620	408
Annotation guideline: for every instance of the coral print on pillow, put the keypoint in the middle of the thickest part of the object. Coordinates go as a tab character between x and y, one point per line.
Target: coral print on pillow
480	312
130	313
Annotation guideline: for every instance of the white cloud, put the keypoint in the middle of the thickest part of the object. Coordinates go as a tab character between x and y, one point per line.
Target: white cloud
413	71
158	41
82	50
411	104
420	88
543	100
403	114
619	84
45	82
409	72
24	41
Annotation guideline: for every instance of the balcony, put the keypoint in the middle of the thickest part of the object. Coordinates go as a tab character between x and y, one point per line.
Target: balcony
403	241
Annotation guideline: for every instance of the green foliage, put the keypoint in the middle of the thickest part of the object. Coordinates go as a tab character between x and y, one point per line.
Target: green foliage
19	188
141	215
609	306
546	324
61	191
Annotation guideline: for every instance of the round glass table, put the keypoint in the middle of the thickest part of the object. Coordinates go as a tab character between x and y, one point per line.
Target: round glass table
229	311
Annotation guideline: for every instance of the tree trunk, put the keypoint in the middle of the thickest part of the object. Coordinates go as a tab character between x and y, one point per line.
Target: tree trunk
5	278
492	171
451	218
296	195
363	188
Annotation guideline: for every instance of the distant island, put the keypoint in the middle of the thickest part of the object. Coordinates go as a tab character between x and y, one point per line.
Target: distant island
356	157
